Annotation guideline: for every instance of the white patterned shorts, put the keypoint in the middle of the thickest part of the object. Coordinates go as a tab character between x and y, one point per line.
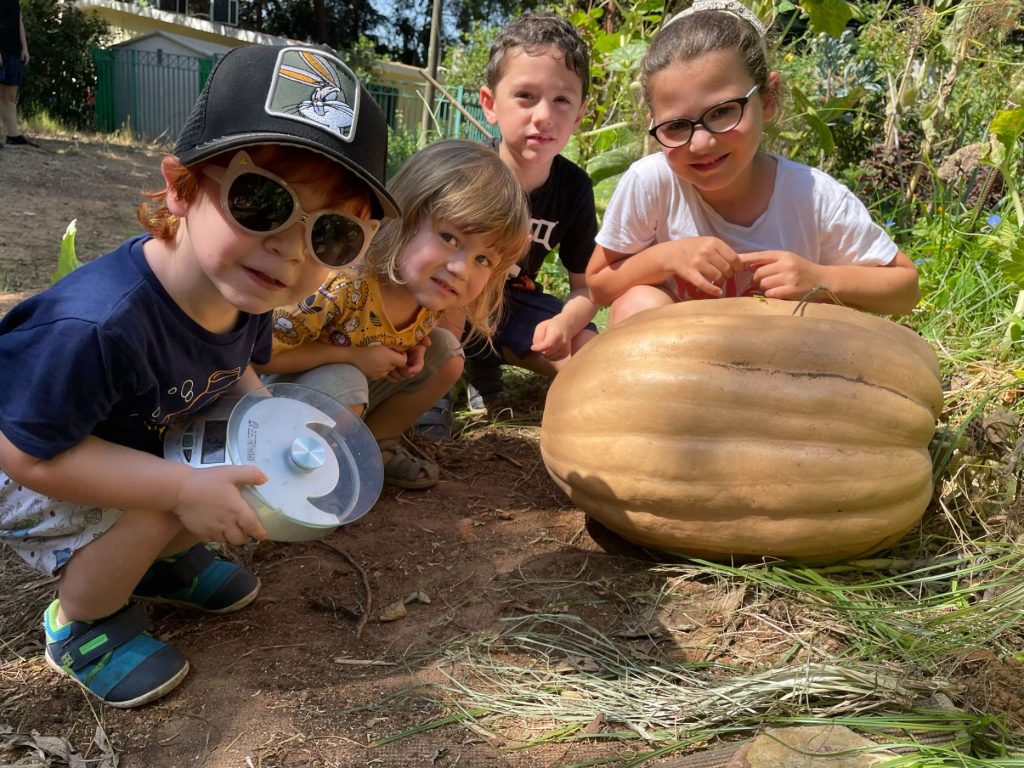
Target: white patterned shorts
46	532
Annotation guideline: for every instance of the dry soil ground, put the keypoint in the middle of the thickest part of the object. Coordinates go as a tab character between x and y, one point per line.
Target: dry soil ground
295	679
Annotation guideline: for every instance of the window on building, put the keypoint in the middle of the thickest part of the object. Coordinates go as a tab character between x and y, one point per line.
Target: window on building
224	11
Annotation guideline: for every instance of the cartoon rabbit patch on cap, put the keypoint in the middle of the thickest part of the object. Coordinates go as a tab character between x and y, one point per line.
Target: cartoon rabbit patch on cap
314	87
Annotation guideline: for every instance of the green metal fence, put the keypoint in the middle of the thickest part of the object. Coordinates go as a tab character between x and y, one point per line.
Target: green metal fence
403	104
149	92
152	93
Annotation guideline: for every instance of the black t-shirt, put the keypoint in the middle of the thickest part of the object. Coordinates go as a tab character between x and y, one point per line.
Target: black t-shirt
10	31
562	213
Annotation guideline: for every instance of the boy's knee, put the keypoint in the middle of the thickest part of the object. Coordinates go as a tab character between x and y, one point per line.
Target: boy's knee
444	350
341	381
445	342
582	338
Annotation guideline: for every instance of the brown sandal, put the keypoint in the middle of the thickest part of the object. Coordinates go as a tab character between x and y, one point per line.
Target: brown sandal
403	469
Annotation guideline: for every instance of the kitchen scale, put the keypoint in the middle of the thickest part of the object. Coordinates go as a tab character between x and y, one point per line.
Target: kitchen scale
322	464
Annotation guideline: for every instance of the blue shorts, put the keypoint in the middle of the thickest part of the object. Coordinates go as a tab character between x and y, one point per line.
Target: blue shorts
11	70
524	311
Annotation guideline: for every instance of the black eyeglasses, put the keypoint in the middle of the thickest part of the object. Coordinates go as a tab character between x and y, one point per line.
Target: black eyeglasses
263	204
717	119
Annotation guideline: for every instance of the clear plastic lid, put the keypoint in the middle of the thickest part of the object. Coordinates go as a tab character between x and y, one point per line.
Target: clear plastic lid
323	465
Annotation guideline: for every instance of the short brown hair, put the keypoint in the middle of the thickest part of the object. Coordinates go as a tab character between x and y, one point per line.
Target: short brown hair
533	32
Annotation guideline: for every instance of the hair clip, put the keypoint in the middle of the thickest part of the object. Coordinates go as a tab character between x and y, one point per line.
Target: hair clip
733	8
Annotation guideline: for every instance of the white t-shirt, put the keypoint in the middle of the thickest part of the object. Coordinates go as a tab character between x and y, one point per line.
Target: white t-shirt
809	213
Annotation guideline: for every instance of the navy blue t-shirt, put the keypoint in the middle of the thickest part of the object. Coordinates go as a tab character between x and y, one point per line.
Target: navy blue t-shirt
107	352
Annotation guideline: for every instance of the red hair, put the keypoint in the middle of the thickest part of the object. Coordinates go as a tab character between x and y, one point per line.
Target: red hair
296	165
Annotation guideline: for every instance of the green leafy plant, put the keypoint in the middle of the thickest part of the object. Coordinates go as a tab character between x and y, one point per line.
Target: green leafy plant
67	261
61	77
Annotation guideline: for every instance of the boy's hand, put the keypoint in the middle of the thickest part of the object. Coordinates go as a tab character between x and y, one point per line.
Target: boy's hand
783	274
552	339
377	362
211	507
705	263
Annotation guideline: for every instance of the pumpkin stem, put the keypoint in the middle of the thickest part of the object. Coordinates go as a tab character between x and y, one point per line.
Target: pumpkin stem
812	293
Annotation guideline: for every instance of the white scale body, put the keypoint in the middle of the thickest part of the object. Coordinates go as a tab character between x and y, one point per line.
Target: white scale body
323	470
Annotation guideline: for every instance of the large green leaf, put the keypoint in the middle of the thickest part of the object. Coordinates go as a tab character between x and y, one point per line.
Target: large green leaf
837	106
823	132
829	16
1008	126
626	58
67	262
810	115
603	192
613	162
1008	242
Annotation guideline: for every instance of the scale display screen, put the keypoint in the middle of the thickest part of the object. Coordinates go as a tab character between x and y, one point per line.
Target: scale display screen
214	445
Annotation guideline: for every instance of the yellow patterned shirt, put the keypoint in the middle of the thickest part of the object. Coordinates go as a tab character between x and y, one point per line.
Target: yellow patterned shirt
347	310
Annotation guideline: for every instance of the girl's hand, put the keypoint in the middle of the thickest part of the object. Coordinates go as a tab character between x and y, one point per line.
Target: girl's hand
414	359
551	338
783	274
377	362
210	506
705	263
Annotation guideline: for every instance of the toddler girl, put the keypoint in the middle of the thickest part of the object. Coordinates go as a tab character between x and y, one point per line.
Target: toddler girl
369	336
711	215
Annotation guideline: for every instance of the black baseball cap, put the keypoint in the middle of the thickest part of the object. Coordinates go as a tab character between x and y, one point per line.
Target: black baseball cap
296	95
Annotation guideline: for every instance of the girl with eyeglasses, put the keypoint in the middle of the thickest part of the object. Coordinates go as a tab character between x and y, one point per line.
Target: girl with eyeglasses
712	215
370	336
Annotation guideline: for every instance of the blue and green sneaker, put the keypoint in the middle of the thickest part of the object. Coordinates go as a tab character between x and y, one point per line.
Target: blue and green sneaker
115	659
198	578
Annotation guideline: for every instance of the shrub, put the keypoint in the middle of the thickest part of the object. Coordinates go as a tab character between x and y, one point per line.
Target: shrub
60	79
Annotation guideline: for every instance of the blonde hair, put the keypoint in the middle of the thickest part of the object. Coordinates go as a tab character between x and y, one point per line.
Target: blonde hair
467	185
293	164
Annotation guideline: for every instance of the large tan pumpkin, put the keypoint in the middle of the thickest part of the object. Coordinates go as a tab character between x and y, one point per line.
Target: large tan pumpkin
747	428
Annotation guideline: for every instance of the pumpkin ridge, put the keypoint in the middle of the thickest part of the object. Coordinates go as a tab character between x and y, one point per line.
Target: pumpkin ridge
813	375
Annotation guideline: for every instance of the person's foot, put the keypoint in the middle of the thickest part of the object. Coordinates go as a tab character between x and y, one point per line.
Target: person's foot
20	141
403	470
198	578
436	424
115	658
486	391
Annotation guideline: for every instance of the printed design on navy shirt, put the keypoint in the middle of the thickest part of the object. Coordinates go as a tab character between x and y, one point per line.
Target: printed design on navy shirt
215	385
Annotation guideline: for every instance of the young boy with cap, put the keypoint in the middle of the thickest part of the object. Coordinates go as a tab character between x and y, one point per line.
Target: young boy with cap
271	187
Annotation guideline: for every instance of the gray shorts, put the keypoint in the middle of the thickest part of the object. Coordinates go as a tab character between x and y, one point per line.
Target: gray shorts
349	386
45	532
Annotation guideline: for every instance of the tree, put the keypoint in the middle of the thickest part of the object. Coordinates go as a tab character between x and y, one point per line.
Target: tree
408	33
336	23
61	77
